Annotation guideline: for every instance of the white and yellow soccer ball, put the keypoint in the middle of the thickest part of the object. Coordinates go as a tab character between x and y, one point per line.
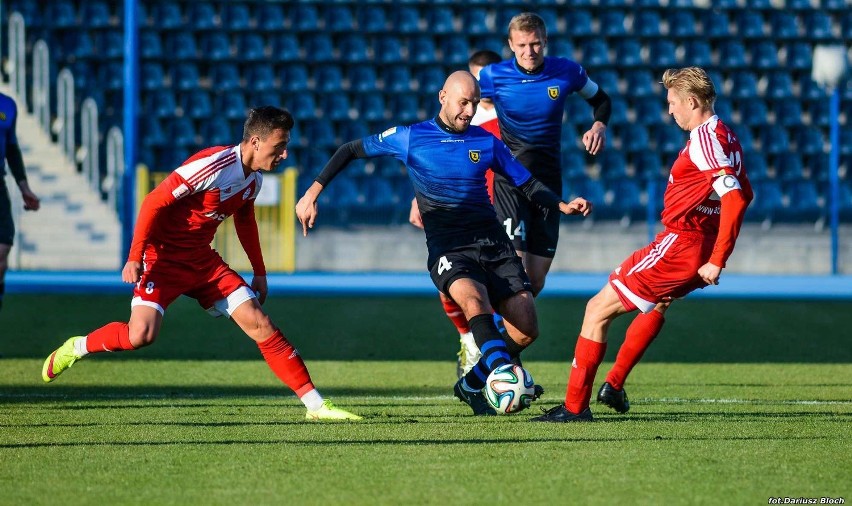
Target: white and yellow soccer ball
509	389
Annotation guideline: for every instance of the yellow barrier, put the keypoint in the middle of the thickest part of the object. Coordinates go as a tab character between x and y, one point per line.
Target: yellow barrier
276	221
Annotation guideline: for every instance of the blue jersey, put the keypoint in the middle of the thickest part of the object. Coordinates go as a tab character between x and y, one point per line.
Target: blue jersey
530	108
8	118
447	170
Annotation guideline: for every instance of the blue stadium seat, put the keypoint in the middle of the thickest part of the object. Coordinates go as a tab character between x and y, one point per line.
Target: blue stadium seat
353	48
439	18
421	49
396	79
755	166
96	14
160	103
818	26
266	97
715	24
151	75
647	165
182	132
647	23
430	79
270	17
339	18
371	107
251	47
682	24
649	110
804	200
723	109
387	50
150	46
261	78
236	16
743	134
759	4
845	140
172	157
111	78
31	11
320	133
196	104
768	200
305	18
76	45
295	77
626	198
362	78
573	164
591	189
784	25
774	139
218	133
373	19
764	55
429	104
669	138
455	51
231	105
580	23
640	83
846	26
798	56
320	47
225	76
559	46
474	21
203	16
328	78
619	111
634	138
168	15
286	47
216	46
613	165
810	91
732	54
612	23
353	129
779	85
404	107
743	85
662	53
181	46
62	14
577	111
302	106
607	79
407	20
790	167
809	140
335	106
552	20
749	24
595	53
753	111
628	52
787	112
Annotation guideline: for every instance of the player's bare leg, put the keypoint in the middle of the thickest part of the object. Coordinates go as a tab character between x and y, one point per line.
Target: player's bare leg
537	268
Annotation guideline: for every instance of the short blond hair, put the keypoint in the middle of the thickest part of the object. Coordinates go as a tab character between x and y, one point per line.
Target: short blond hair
691	81
527	22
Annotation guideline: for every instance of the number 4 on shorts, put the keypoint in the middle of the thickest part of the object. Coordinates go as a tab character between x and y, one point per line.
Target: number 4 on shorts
444	265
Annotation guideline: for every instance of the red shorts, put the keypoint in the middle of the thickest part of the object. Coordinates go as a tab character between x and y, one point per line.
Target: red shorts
204	277
666	268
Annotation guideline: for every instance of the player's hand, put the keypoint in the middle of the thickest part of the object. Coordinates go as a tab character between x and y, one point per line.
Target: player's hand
576	206
710	273
414	215
131	272
260	287
31	201
595	138
306	212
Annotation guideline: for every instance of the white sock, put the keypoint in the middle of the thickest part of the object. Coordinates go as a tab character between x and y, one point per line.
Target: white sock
312	400
80	346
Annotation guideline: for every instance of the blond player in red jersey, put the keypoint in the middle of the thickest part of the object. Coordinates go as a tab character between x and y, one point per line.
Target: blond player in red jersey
703	208
485	117
171	256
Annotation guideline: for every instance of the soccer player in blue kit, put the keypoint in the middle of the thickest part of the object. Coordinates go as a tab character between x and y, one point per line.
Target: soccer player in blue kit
529	92
470	256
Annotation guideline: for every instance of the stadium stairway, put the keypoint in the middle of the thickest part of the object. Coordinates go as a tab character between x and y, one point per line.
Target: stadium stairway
74	229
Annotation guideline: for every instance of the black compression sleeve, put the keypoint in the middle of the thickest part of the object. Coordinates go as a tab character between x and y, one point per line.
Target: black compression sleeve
16	162
602	105
341	158
540	194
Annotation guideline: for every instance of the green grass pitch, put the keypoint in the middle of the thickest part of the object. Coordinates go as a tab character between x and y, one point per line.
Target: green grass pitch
736	402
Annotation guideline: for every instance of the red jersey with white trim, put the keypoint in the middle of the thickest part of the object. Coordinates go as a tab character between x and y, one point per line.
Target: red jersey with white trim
690	202
182	213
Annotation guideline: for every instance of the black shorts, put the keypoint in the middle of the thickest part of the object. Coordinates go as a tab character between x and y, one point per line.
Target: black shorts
7	226
531	228
495	265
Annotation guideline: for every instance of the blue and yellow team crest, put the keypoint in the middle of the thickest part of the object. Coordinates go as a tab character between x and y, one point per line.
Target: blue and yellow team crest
2	116
553	92
474	155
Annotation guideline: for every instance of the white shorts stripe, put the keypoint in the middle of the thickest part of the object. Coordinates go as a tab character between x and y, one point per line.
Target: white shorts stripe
137	301
655	255
643	305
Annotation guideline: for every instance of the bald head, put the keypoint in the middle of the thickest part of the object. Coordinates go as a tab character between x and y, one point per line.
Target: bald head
459	98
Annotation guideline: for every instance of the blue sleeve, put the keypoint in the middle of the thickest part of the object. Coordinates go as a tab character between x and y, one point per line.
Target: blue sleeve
486	83
11	137
391	142
577	77
506	165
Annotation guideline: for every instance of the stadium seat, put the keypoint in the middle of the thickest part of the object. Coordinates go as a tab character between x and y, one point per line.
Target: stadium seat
560	47
96	14
804	200
613	165
619	111
580	23
265	97
612	23
810	91
669	138
151	132
846	26
475	21
151	75
649	110
353	48
404	108
439	19
352	130
217	133
216	46
662	53
339	18
745	137
181	46
320	48
626	198
573	164
818	26
768	200
724	109
362	78
261	78
784	25
455	51
429	104
160	103
231	105
396	79
335	106
203	16
387	50
270	17
591	189
682	24
111	78
634	138
31	12
628	53
743	85
168	15
302	106
252	47
319	132
749	24
607	79
430	79
286	47
407	20
62	14
808	139
195	105
753	111
305	18
647	23
715	24
595	53
328	78
787	112
732	54
295	77
182	132
755	166
236	16
421	49
371	107
373	19
759	4
774	139
225	76
764	55
798	56
790	167
640	83
779	85
76	45
647	165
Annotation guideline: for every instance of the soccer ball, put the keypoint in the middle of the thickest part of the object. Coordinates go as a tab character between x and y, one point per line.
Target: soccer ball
509	389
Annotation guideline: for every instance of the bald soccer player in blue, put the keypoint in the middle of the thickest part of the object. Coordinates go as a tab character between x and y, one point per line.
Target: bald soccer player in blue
529	93
470	257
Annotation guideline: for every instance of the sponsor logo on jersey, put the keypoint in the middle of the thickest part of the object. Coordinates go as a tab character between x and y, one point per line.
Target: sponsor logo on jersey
387	133
180	191
553	92
473	154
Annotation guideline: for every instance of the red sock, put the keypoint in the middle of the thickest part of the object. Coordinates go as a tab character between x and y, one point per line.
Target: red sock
111	337
640	334
588	355
285	362
456	315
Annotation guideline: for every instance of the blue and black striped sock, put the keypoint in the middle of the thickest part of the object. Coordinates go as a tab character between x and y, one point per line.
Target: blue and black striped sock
492	347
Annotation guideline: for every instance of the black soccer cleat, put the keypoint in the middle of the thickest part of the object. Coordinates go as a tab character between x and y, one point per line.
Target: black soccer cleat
561	414
614	398
476	400
538	391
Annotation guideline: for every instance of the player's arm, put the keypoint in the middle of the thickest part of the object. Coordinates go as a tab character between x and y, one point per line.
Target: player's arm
595	138
414	214
733	207
246	227
19	172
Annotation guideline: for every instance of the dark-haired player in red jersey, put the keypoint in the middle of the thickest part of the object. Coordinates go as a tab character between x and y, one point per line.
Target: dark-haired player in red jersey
703	209
171	256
